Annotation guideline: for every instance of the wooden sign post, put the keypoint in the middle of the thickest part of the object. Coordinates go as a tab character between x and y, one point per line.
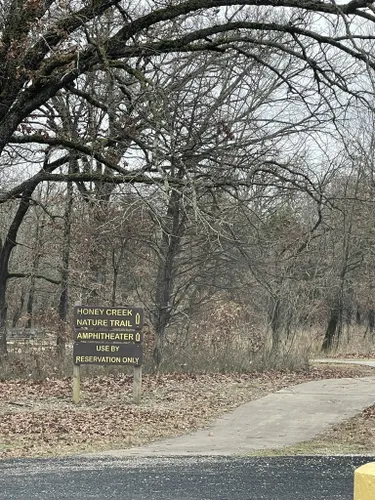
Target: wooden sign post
76	383
137	384
108	336
76	377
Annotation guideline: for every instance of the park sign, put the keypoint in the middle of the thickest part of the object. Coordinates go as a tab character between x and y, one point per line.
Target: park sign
107	336
108	318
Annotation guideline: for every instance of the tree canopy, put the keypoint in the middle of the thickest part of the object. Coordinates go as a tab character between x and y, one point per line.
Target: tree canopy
203	100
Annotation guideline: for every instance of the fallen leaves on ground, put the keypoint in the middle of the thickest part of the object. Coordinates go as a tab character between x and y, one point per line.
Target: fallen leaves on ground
355	435
38	418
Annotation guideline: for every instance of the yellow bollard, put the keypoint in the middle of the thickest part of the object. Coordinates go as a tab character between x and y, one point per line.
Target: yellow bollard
364	482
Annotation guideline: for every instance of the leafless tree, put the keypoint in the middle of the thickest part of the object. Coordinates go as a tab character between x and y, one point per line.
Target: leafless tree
54	50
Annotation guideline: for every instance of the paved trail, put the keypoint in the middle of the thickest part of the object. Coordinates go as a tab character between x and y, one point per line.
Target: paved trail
281	419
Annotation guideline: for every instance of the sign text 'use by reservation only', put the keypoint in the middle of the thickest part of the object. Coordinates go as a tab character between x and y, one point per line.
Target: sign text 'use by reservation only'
108	318
107	354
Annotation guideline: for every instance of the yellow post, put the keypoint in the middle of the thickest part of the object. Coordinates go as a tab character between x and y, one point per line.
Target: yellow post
364	482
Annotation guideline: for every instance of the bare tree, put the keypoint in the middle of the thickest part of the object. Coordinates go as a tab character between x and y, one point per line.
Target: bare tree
53	49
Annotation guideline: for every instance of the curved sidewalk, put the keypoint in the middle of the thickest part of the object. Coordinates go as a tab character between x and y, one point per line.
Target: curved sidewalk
284	418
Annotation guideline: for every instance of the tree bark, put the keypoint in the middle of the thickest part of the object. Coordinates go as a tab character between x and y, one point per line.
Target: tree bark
333	330
371	322
276	324
34	271
18	312
5	253
172	233
64	289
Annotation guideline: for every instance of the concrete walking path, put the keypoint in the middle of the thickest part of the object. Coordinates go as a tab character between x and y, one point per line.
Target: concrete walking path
365	362
284	418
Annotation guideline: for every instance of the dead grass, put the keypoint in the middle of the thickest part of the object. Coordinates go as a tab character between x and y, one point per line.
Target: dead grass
41	362
354	342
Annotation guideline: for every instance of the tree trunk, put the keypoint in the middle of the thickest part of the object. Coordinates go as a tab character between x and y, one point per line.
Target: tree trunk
276	324
3	311
99	249
18	312
5	253
115	268
333	330
358	315
64	289
172	232
34	271
371	321
30	302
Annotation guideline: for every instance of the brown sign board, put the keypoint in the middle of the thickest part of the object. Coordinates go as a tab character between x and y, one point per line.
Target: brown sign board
103	318
109	336
107	354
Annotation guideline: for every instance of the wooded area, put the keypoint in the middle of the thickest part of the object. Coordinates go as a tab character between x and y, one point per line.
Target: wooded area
211	161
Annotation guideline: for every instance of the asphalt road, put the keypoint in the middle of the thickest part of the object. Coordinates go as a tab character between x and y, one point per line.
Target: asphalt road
180	478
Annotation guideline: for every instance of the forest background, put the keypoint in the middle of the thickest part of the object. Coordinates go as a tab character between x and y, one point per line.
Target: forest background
212	162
